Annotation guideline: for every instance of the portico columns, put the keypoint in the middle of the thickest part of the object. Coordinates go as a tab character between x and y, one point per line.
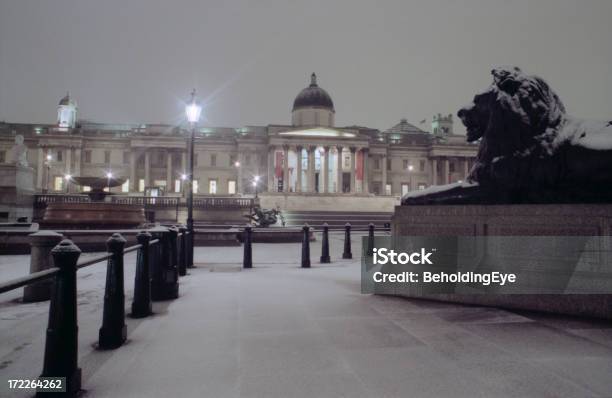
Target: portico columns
169	172
271	156
311	169
446	171
365	181
133	182
384	174
147	167
298	184
325	170
434	171
466	168
353	164
285	168
338	169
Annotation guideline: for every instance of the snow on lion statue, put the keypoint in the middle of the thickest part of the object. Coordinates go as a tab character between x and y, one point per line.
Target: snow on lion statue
530	150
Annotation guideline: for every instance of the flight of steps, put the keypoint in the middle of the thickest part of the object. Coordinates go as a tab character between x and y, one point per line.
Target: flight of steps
337	219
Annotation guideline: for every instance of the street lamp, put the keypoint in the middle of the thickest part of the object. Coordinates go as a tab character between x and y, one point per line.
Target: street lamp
193	110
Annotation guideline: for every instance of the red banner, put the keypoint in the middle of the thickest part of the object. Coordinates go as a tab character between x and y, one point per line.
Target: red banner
359	166
278	171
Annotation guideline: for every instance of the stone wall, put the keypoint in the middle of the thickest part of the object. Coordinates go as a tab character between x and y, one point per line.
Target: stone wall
329	202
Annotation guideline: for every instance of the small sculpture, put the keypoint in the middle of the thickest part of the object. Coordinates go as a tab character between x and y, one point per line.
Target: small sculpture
530	150
19	152
265	217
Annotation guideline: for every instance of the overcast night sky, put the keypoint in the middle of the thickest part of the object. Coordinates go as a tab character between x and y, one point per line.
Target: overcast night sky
136	61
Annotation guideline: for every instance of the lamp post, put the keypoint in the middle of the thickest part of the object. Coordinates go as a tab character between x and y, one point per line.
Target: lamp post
192	112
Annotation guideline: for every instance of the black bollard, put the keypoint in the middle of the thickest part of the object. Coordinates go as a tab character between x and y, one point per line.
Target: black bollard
141	305
113	331
190	247
347	241
165	274
183	251
325	244
370	239
306	247
247	259
61	345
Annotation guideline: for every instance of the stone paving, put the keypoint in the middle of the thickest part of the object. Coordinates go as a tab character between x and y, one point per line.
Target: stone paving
281	331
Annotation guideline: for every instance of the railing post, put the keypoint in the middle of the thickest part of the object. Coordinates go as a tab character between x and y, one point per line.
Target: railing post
141	305
165	274
325	244
42	242
370	239
114	331
183	251
61	345
347	241
247	260
306	246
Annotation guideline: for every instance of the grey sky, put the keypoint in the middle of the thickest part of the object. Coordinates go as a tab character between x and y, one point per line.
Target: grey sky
135	61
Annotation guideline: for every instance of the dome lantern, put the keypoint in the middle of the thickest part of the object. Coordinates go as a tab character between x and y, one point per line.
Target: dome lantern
313	106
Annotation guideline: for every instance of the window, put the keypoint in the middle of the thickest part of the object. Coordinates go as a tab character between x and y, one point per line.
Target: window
212	186
231	187
422	186
177	186
141	185
388	164
232	160
405	164
58	183
107	157
388	189
126	157
60	156
451	166
196	186
347	161
213	160
86	188
405	189
159	183
376	163
2	156
125	187
87	157
422	165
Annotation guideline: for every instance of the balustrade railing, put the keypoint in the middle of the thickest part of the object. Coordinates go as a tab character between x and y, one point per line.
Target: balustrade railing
150	202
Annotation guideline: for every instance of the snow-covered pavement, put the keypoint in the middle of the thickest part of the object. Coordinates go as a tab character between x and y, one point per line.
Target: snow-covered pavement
281	331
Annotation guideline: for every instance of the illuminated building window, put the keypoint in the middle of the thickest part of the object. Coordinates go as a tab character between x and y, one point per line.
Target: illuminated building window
212	186
58	183
125	187
177	186
231	187
141	185
195	186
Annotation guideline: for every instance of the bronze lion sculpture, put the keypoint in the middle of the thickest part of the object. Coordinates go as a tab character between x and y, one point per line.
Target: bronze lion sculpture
530	150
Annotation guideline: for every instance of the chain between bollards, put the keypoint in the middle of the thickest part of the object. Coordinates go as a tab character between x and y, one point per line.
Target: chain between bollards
141	305
114	331
325	245
61	345
306	246
247	260
347	254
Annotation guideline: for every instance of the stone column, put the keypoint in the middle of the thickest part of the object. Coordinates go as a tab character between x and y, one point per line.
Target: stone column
240	159
466	168
40	164
147	167
69	185
353	164
77	161
446	171
384	174
325	170
133	179
169	174
311	169
285	168
40	259
339	171
298	186
434	171
271	156
366	171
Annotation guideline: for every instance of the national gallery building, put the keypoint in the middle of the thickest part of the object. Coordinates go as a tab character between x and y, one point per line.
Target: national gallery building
310	156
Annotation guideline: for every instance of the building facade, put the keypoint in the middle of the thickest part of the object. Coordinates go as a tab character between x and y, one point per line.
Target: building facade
309	156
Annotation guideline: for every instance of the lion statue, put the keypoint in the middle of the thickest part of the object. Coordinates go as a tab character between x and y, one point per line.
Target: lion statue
530	150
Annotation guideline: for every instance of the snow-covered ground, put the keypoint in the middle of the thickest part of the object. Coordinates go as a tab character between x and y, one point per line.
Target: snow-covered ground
281	331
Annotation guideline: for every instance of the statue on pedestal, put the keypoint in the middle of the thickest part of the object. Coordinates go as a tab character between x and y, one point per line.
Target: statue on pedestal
19	152
530	150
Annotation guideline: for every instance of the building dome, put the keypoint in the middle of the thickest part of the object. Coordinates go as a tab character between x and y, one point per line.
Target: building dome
313	106
313	96
67	100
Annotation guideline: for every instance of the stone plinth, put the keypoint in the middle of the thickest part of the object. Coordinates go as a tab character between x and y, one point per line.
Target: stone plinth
513	220
16	191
